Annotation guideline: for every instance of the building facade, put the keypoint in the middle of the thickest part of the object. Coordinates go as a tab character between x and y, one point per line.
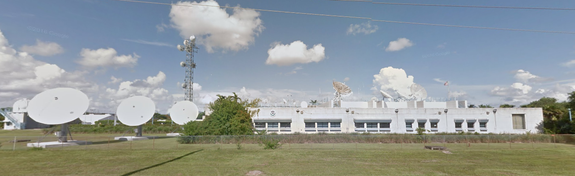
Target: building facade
397	117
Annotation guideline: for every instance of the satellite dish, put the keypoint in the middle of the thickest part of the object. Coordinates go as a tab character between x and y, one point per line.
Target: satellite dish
184	85
20	105
183	64
135	111
183	112
185	42
384	94
341	88
303	104
192	38
418	92
181	48
58	106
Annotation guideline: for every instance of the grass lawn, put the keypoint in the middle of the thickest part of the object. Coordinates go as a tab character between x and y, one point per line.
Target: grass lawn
166	157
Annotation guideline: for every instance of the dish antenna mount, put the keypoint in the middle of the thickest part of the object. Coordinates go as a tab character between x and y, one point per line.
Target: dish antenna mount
190	48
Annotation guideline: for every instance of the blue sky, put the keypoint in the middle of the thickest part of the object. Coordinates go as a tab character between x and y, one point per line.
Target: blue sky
481	65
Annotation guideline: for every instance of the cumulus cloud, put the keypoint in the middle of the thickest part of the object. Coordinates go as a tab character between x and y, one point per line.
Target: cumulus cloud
394	79
516	93
106	58
214	27
151	87
365	28
43	48
114	80
569	63
296	52
399	44
23	76
526	77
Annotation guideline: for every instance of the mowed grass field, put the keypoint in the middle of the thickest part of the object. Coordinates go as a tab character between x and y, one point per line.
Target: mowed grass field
165	157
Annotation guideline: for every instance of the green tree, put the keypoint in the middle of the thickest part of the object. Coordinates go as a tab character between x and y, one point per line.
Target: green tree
158	116
472	106
201	114
555	116
230	116
506	106
485	106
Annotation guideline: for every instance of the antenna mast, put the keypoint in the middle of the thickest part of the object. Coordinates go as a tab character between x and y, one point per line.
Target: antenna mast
190	48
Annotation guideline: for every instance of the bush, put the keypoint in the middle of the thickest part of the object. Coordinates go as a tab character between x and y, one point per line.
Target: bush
185	139
271	143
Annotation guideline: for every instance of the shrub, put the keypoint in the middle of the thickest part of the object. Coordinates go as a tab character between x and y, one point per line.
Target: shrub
271	143
420	131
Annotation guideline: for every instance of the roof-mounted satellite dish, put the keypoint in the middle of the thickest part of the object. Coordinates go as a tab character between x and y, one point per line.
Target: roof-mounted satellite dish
418	92
341	88
135	111
303	104
183	112
384	94
58	106
181	48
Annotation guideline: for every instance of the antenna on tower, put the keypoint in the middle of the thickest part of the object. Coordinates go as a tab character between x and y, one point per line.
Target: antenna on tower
190	48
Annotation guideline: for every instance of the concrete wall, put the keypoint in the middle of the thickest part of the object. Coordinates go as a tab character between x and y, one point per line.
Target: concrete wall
500	122
396	105
354	104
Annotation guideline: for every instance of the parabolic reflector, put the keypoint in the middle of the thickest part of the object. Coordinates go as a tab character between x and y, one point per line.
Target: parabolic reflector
303	104
58	106
341	88
183	112
418	92
135	111
384	94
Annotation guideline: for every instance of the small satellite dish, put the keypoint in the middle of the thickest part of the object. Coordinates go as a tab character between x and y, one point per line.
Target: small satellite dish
192	38
303	104
135	111
418	92
183	112
384	94
185	42
58	106
184	85
181	48
183	64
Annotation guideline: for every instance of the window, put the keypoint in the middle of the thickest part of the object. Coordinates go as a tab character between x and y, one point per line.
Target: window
285	125
359	125
321	124
384	125
433	124
310	124
260	125
470	125
335	124
482	124
408	125
371	125
272	125
421	124
458	124
518	121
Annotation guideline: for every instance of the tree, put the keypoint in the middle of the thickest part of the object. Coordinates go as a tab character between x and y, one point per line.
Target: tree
506	106
158	116
230	116
201	114
485	106
313	102
472	106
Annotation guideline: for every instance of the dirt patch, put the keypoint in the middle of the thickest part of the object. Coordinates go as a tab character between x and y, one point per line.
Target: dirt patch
255	173
447	152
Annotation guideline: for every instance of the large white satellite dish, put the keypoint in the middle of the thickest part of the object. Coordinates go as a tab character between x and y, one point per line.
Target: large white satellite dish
303	104
135	111
58	106
384	94
418	92
183	112
341	88
20	105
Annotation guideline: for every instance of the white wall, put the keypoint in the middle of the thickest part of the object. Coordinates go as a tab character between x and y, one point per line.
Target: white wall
503	120
354	104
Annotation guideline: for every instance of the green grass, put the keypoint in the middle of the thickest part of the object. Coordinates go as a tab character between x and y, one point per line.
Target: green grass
165	156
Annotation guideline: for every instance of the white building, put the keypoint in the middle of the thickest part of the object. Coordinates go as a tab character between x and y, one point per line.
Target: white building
398	117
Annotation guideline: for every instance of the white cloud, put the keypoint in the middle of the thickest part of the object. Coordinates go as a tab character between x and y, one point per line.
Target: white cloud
439	80
516	93
106	58
526	77
441	46
569	63
161	27
294	71
43	48
22	76
151	87
150	43
399	44
114	80
296	52
214	27
394	79
345	79
365	28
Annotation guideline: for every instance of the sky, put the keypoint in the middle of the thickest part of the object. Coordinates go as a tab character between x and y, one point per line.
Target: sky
112	50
